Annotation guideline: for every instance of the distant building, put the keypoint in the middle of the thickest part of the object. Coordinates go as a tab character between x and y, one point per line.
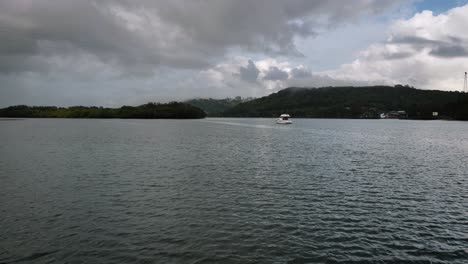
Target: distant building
394	115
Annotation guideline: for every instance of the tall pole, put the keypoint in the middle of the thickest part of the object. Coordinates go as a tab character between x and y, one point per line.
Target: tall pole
465	87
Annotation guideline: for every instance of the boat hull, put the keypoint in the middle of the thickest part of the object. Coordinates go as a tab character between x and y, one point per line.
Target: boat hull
282	122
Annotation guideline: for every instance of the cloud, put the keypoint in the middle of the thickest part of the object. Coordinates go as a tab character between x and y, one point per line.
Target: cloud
260	77
250	72
451	47
449	51
426	51
300	72
114	52
137	36
275	74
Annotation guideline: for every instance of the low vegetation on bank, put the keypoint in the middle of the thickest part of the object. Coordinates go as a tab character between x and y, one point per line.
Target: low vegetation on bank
173	110
328	102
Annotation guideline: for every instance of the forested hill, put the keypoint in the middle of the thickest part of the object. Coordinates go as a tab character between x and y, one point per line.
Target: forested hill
215	107
356	102
172	110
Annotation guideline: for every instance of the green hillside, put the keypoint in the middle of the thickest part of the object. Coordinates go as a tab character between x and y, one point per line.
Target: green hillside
355	102
215	107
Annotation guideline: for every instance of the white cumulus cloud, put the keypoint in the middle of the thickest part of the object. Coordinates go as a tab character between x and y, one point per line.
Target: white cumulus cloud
426	51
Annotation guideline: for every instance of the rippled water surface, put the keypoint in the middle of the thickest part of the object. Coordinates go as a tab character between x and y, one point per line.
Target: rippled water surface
233	191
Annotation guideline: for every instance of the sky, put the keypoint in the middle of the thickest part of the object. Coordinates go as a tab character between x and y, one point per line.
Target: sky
129	52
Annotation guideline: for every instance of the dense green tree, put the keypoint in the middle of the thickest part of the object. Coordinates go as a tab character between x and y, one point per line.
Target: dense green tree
355	102
173	110
215	107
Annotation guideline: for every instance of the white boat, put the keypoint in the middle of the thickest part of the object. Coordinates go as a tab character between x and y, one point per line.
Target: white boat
284	119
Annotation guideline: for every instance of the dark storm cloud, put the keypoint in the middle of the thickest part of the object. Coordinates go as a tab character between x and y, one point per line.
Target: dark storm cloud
397	55
413	40
250	72
300	73
140	35
451	47
275	74
63	28
449	51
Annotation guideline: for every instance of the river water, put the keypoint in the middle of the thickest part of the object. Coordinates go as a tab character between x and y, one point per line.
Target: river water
233	191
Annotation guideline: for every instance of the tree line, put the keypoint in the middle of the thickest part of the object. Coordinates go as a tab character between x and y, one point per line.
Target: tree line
356	102
173	110
216	107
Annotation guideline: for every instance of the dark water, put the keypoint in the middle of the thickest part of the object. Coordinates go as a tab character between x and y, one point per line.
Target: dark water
233	191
